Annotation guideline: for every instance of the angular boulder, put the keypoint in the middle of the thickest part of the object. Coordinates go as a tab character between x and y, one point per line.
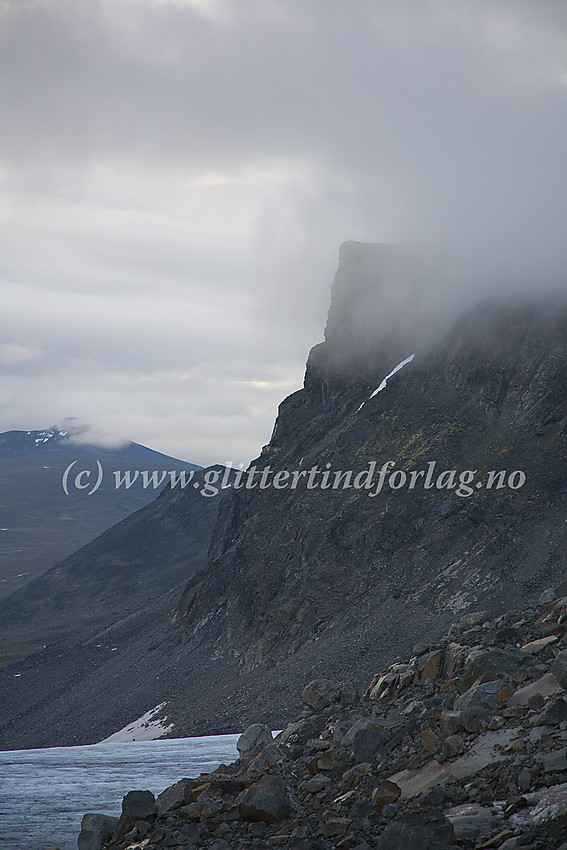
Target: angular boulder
428	666
559	668
487	665
472	822
427	830
474	718
544	687
320	694
95	829
386	793
489	695
136	806
253	740
554	713
451	722
368	741
317	783
475	618
267	801
175	796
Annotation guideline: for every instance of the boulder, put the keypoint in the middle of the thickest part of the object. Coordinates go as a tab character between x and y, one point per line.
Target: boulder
472	822
319	695
136	806
429	740
487	665
554	713
453	659
559	668
547	596
386	793
95	829
428	666
425	830
317	783
360	723
454	746
475	618
268	757
474	719
253	740
301	731
545	686
368	742
353	775
535	646
175	796
266	801
334	827
451	722
489	695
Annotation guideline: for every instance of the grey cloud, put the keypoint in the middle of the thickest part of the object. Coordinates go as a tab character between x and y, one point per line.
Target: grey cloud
180	176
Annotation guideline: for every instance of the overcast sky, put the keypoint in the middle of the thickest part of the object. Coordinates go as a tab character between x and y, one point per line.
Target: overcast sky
177	176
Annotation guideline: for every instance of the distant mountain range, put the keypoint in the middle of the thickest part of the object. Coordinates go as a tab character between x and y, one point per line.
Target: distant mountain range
39	523
57	441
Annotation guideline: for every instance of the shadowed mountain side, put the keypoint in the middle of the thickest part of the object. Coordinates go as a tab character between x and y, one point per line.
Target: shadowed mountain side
492	397
39	523
131	564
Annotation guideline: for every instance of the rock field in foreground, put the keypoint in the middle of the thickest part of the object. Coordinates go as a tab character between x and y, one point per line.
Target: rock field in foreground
464	745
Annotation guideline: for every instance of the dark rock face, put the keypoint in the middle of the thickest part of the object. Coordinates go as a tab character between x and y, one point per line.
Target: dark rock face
333	582
336	577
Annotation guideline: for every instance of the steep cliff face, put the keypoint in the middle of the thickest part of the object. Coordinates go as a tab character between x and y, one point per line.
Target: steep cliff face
339	581
292	567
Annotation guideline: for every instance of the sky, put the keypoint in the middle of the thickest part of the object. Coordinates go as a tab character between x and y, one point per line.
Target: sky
176	178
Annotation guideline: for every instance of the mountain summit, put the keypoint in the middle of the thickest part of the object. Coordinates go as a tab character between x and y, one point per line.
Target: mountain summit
39	523
58	441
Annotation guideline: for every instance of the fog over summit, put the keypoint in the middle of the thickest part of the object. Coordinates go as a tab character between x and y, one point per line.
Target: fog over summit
177	178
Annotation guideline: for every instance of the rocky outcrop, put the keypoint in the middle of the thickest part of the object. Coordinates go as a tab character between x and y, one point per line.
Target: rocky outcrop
330	578
432	783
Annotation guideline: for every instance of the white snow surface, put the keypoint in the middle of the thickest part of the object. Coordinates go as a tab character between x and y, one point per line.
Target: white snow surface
145	728
384	383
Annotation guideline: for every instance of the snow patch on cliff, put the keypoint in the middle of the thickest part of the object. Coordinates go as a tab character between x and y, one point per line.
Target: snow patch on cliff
384	383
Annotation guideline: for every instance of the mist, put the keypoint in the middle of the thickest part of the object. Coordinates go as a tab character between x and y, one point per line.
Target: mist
177	177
